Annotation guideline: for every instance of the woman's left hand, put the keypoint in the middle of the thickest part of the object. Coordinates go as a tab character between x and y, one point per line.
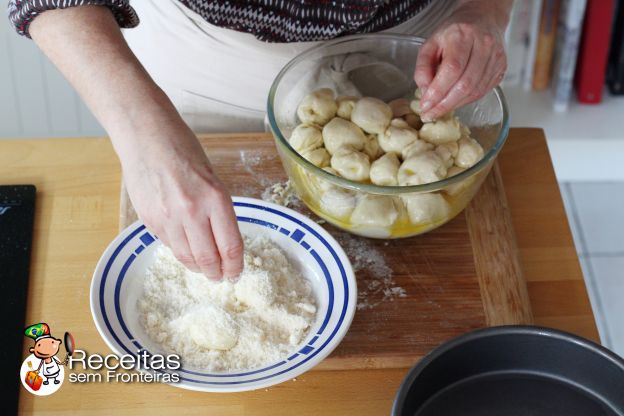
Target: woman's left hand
464	58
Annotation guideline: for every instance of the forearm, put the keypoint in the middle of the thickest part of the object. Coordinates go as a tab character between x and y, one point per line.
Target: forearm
167	174
86	45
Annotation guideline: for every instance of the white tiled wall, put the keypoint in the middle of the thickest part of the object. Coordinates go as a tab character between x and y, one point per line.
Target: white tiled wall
596	215
35	99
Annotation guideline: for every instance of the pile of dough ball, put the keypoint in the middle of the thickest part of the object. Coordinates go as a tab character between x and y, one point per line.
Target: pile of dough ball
387	144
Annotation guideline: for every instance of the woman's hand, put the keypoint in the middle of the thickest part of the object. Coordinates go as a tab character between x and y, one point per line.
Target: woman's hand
167	174
179	198
464	58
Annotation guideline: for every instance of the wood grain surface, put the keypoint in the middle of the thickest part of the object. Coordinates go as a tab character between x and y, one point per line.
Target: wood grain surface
462	276
503	289
77	215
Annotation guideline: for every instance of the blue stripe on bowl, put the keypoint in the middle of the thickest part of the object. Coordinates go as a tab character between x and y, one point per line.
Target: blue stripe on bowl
107	268
330	288
147	239
259	222
297	235
306	349
122	273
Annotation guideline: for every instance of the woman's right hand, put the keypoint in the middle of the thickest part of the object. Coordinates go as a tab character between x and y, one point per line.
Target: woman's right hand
179	198
167	174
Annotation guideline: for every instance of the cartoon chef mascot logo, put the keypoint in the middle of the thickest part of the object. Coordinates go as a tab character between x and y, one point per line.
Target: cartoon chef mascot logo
42	373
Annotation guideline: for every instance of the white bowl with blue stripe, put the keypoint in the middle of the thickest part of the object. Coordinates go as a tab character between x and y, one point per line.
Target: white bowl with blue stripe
118	283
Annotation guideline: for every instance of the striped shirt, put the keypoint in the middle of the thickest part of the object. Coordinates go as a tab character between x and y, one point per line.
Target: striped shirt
267	20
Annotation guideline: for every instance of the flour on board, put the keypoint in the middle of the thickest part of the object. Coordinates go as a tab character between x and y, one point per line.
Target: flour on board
379	286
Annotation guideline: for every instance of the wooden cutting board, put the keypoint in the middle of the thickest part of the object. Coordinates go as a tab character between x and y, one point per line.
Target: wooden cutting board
462	276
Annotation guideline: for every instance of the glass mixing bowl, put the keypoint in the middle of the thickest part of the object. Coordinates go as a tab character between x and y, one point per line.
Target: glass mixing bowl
382	66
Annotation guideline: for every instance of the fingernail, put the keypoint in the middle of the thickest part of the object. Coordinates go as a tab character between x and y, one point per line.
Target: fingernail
425	105
212	276
233	279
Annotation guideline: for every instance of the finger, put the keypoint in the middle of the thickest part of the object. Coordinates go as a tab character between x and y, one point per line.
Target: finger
228	238
496	72
426	64
176	240
455	56
466	86
493	75
481	88
204	248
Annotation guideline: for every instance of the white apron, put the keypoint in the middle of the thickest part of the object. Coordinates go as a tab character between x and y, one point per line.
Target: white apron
50	369
217	78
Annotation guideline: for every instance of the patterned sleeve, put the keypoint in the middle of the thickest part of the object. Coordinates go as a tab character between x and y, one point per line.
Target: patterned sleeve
22	12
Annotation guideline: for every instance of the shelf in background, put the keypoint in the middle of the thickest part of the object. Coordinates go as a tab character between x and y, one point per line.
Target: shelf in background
586	142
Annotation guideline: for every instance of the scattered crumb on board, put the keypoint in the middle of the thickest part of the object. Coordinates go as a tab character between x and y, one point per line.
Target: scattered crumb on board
251	160
379	286
281	193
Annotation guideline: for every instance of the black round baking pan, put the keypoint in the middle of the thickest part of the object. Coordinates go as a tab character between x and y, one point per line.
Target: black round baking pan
514	371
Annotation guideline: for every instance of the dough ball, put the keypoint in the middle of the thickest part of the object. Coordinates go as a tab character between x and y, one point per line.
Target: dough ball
372	115
454	170
398	123
384	170
465	130
422	168
325	185
460	186
447	152
338	202
306	137
345	106
469	153
318	157
400	107
318	107
413	120
415	106
426	208
444	130
452	148
375	211
419	146
211	328
351	164
341	133
398	136
372	148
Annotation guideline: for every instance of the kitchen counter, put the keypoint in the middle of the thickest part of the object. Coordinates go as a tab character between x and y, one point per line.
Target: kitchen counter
77	216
